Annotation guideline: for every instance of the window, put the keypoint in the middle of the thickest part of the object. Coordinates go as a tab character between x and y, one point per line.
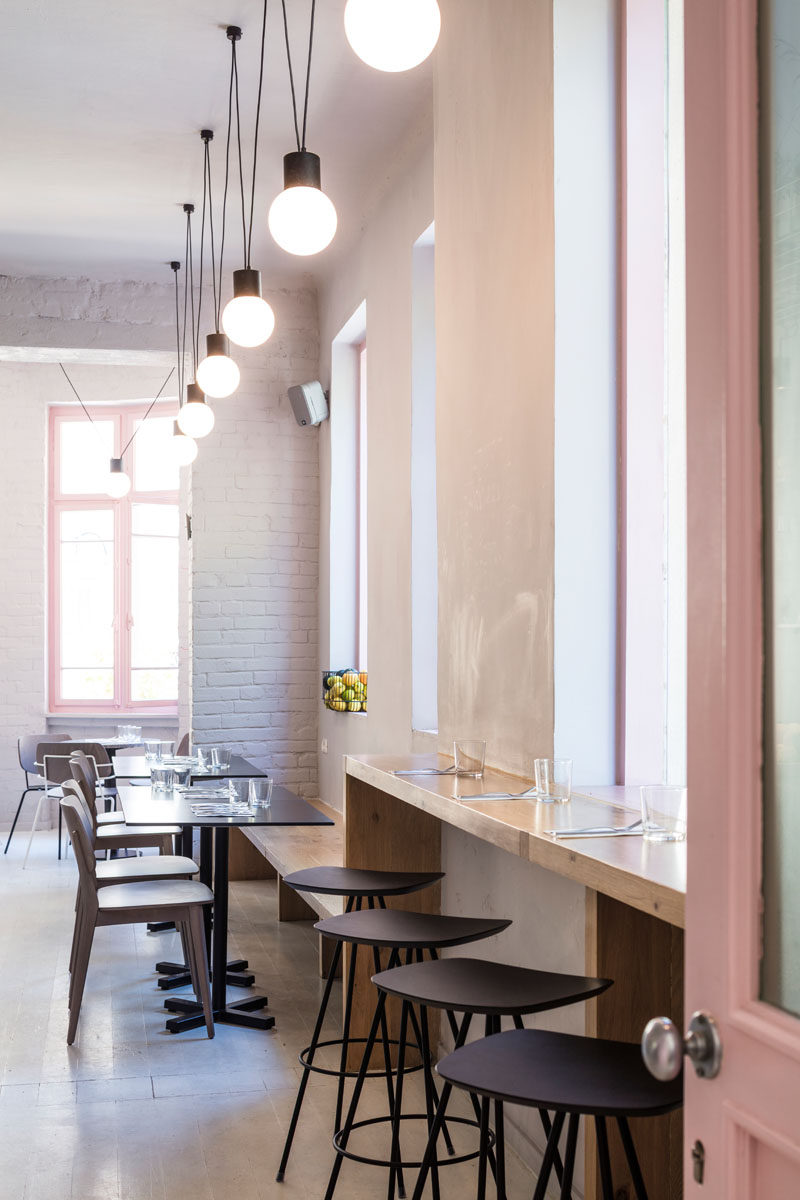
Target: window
348	530
424	541
113	564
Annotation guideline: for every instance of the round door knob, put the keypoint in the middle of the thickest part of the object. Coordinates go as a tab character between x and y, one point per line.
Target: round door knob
663	1047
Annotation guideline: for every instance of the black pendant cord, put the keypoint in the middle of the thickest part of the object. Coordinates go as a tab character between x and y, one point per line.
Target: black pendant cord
83	406
301	141
207	190
218	298
185	308
249	240
176	266
239	146
147	414
202	255
190	276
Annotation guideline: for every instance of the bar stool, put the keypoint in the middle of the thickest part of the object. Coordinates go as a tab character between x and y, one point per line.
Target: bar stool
475	987
415	934
356	886
569	1075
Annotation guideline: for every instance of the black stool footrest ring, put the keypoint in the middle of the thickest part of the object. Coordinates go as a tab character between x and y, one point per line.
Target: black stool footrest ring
337	1074
450	1160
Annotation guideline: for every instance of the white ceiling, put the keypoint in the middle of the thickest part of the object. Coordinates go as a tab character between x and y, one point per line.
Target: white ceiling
100	110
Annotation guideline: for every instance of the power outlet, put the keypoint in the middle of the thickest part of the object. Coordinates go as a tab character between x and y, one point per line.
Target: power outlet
324	746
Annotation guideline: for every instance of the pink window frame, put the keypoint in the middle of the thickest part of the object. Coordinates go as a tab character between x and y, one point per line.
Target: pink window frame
124	419
361	506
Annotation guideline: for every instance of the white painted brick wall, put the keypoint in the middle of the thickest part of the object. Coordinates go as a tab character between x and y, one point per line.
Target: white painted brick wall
255	490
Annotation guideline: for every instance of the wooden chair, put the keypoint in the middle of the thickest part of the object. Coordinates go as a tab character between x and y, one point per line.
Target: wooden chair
118	836
88	770
178	900
53	759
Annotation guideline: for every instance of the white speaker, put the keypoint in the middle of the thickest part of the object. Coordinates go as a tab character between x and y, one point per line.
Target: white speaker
308	403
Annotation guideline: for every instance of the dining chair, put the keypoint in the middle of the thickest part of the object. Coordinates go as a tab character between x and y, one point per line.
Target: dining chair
52	759
178	900
119	836
27	746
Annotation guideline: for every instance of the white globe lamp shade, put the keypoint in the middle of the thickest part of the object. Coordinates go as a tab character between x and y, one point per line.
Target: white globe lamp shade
118	483
184	449
247	319
195	418
302	219
392	35
218	374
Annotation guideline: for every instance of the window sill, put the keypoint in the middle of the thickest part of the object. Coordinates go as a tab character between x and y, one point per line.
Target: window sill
116	717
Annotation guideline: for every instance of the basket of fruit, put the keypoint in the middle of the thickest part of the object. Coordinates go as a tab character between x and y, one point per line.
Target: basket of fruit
345	691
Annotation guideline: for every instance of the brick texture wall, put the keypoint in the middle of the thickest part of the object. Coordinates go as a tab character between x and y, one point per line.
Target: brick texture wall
255	496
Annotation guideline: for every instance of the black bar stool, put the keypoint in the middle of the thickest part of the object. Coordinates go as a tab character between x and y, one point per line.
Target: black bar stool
357	886
493	990
571	1076
412	934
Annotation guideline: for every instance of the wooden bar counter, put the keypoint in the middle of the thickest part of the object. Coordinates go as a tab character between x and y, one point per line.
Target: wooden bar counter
635	893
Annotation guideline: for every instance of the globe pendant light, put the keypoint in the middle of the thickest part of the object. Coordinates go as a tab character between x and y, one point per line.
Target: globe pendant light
184	449
392	35
247	318
217	375
118	483
196	418
302	219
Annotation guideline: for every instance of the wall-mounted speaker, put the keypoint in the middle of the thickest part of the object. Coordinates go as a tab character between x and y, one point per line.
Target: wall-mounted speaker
309	404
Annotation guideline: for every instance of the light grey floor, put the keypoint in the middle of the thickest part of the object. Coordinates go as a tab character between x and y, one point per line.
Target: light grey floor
131	1112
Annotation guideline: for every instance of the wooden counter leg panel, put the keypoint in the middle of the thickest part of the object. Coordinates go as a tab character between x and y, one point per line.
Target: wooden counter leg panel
384	834
645	958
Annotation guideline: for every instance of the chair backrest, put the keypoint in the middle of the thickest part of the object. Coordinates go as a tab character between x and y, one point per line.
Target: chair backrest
86	766
183	745
58	758
28	745
80	834
84	790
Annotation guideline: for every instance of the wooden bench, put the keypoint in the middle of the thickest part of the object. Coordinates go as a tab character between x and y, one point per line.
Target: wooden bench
262	852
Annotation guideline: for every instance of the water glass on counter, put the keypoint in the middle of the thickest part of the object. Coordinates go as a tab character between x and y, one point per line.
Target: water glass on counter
553	777
259	791
469	755
664	813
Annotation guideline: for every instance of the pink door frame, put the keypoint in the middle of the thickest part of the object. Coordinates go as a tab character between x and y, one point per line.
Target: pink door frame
746	1118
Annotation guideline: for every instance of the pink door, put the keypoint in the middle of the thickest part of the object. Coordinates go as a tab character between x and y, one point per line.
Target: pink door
742	1127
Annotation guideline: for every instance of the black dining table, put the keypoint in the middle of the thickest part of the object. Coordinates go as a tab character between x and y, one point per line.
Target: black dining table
144	806
135	766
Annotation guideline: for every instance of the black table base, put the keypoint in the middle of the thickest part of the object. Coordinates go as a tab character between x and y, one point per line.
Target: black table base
243	1012
175	974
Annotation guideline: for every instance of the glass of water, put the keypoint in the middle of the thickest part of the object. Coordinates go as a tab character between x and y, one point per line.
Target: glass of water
260	791
152	752
161	778
664	813
238	793
469	756
553	779
220	758
205	757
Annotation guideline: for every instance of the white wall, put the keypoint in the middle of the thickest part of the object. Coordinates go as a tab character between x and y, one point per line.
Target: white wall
255	502
585	617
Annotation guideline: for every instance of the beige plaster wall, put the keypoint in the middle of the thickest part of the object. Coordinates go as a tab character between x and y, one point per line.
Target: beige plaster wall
495	375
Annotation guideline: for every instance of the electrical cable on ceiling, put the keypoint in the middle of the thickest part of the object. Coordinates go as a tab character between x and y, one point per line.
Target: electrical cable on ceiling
301	142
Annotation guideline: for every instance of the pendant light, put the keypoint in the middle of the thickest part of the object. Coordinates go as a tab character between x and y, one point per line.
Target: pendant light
247	318
183	447
302	218
217	374
392	35
195	416
118	483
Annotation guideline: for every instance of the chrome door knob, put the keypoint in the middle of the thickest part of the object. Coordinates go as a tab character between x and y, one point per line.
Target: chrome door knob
663	1047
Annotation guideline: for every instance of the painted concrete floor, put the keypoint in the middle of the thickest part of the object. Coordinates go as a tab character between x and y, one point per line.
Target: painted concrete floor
131	1112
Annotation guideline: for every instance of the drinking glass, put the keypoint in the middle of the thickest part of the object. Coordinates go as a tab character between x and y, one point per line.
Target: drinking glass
260	791
205	757
161	778
664	813
553	779
221	758
152	752
238	792
182	774
469	756
123	731
134	733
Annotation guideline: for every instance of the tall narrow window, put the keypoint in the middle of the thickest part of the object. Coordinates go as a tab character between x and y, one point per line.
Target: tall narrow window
113	599
348	528
424	544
